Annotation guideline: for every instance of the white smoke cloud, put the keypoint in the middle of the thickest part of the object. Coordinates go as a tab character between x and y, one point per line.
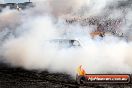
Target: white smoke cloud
34	27
8	19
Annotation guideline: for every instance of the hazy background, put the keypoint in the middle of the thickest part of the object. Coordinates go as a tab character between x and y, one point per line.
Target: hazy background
13	1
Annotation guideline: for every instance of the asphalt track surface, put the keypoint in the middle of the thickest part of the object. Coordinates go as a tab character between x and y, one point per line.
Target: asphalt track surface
20	78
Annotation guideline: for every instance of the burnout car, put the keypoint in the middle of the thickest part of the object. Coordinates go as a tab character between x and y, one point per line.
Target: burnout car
65	43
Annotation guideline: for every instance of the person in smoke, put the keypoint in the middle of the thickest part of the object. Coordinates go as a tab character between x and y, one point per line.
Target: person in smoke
18	8
100	31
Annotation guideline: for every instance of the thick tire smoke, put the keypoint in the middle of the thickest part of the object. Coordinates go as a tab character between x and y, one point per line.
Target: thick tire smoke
25	36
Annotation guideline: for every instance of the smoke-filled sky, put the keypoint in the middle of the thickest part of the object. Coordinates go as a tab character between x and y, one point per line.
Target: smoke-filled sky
25	36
